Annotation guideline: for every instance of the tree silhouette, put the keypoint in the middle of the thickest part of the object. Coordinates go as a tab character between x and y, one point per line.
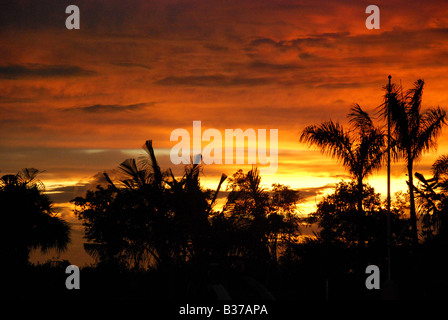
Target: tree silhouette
433	196
193	207
28	218
341	222
348	240
263	219
283	220
128	223
360	149
414	132
150	217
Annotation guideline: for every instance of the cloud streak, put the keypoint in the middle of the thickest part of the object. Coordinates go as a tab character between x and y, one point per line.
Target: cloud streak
215	80
232	64
35	70
107	108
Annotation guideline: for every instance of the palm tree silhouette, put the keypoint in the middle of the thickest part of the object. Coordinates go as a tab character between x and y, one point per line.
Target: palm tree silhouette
140	202
155	215
433	196
360	149
28	218
414	132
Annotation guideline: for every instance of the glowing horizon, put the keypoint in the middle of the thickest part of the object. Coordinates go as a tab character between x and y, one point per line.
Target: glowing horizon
75	103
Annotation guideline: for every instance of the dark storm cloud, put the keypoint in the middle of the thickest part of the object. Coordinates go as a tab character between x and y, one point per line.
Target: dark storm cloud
34	70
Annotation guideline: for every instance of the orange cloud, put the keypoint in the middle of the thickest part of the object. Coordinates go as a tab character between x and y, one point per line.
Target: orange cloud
137	72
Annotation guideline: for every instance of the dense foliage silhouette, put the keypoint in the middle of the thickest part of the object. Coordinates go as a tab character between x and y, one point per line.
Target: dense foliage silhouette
153	220
360	149
155	235
29	219
341	222
432	194
414	132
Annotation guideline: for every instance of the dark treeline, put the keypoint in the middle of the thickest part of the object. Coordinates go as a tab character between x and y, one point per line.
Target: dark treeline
153	220
158	236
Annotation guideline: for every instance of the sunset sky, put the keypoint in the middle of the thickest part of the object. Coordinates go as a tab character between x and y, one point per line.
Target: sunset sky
74	103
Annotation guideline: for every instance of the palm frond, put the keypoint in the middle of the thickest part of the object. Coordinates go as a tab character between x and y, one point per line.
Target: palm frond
390	98
332	140
414	99
173	183
440	166
129	168
428	184
152	164
50	232
109	180
360	119
374	145
28	177
400	122
95	250
215	195
431	125
412	109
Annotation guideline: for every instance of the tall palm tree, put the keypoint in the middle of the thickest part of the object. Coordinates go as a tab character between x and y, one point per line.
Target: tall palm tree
414	132
360	149
28	218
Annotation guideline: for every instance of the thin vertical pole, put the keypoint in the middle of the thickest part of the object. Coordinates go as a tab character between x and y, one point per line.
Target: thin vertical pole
389	89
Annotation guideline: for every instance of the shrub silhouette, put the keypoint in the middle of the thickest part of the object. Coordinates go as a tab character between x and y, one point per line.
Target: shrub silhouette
28	218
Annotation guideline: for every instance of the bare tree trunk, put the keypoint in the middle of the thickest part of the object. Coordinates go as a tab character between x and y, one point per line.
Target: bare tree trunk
360	195
413	215
362	235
